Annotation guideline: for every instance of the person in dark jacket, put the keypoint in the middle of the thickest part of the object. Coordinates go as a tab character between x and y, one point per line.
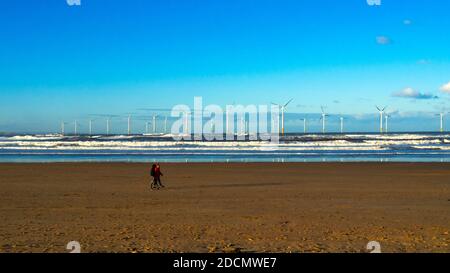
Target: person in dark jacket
152	173
157	175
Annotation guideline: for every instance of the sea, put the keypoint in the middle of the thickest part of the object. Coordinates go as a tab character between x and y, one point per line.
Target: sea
357	147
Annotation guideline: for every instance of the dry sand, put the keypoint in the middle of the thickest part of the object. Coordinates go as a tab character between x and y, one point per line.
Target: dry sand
327	207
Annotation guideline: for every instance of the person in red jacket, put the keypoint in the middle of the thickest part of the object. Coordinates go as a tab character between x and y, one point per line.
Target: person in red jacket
157	175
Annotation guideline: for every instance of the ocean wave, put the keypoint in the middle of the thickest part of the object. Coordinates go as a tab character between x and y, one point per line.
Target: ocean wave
165	143
76	144
35	137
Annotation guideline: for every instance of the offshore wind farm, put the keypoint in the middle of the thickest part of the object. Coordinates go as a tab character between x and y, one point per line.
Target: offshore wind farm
154	141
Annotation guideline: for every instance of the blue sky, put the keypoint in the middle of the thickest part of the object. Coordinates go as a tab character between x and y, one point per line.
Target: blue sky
61	62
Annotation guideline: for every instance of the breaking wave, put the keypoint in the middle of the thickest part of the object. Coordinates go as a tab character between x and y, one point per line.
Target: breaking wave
408	147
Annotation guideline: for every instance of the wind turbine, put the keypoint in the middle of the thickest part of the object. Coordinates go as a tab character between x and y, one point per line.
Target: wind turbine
76	127
63	124
381	111
154	123
243	125
227	121
342	124
107	125
227	124
146	127
323	118
441	115
90	127
283	109
165	125
386	117
213	127
129	125
186	122
304	125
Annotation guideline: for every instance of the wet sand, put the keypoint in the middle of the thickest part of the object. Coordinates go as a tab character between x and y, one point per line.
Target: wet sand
256	207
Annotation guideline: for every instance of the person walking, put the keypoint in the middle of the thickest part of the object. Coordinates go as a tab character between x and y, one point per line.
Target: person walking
157	176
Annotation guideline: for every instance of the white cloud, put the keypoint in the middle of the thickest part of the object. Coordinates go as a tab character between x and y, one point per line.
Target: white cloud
446	88
411	93
383	40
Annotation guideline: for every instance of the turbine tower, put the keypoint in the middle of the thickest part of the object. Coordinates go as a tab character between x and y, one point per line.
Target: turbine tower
76	127
63	124
243	125
107	126
165	125
386	117
226	122
129	125
381	111
186	122
441	115
213	127
323	118
342	124
154	123
304	125
90	127
282	110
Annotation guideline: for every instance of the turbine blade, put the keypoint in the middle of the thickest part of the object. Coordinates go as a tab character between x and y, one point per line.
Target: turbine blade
287	103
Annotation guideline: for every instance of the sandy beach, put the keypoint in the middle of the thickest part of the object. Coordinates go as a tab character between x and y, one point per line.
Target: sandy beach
255	207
